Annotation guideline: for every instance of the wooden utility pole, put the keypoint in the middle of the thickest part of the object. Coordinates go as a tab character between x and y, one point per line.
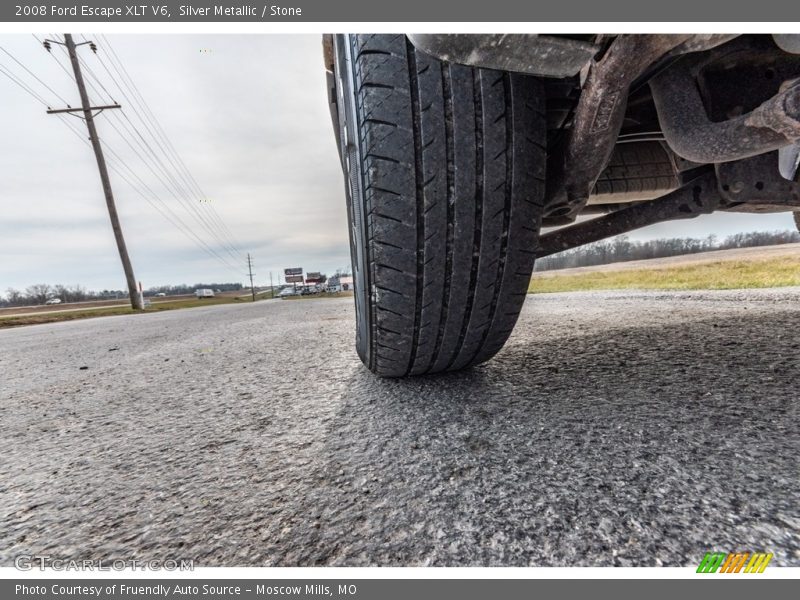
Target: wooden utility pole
88	117
272	288
250	269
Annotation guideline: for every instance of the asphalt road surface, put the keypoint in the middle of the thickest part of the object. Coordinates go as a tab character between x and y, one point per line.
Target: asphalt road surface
614	429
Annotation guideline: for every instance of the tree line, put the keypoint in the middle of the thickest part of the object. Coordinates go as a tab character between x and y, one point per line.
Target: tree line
39	293
621	248
616	249
177	290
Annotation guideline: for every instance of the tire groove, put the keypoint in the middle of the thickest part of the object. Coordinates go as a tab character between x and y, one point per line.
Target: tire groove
476	239
384	190
379	157
413	78
449	152
507	203
380	122
372	84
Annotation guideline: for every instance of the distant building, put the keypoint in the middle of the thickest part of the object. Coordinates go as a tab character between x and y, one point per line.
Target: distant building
340	283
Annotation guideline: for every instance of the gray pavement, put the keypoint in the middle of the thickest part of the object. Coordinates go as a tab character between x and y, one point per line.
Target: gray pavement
614	429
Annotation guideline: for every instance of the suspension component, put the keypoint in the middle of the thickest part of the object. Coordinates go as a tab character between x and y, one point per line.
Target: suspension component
698	197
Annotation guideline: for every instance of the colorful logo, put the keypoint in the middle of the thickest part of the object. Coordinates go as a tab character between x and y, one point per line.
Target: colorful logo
744	562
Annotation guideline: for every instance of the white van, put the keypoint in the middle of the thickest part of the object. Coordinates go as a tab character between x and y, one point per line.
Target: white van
204	293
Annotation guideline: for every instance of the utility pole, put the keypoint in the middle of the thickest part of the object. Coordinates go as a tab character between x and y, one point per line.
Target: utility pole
88	117
250	269
272	288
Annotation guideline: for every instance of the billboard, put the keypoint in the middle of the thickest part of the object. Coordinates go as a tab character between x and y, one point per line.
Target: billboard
293	275
314	277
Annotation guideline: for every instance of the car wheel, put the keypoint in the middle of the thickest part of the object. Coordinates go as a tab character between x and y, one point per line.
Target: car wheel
444	167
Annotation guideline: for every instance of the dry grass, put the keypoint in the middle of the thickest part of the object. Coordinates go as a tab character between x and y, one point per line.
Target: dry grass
53	317
317	296
722	275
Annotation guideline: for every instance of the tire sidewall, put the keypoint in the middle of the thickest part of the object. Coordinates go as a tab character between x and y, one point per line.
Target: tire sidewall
354	188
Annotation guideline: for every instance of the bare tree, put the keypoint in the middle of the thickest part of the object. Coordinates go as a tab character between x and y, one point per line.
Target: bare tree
61	291
621	248
14	297
38	293
77	293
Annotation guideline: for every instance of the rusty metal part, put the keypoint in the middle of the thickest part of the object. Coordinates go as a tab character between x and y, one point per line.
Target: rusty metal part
542	55
692	135
757	182
789	161
598	117
327	51
698	197
702	41
330	80
605	209
741	75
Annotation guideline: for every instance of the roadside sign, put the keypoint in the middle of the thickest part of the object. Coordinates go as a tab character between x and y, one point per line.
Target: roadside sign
313	277
293	275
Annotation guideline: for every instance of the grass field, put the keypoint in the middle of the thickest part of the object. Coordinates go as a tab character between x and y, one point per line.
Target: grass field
322	295
71	315
719	275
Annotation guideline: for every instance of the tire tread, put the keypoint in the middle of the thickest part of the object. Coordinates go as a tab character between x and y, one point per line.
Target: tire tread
453	167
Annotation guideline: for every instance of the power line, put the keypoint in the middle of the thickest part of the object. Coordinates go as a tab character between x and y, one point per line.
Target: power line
173	187
142	141
52	91
144	161
183	228
70	76
123	73
180	190
119	158
21	84
180	225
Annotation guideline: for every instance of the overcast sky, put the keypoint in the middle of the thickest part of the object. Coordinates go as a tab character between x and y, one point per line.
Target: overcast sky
249	117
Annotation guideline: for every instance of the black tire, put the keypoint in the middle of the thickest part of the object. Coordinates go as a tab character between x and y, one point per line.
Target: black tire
445	178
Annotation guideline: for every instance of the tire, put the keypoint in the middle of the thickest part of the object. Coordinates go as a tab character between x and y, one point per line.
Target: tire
444	167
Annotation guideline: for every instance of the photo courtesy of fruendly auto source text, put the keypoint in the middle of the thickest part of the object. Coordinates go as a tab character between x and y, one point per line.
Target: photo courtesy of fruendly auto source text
385	300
